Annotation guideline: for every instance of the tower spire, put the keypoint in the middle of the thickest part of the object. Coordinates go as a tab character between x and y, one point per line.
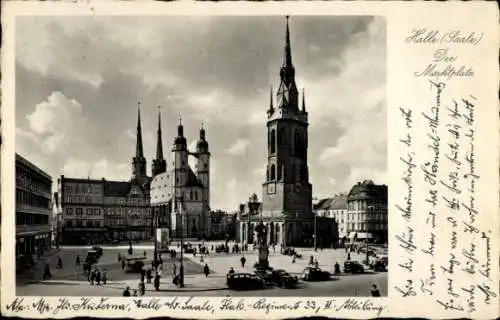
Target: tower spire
159	144
138	149
303	100
159	164
271	107
287	62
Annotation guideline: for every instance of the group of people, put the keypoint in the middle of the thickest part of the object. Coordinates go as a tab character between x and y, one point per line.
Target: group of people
97	276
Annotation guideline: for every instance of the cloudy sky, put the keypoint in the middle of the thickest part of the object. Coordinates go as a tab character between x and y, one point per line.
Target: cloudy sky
79	79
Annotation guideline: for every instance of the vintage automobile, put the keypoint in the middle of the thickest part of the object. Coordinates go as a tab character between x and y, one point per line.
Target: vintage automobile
315	274
244	281
134	265
283	279
98	250
353	267
92	257
378	265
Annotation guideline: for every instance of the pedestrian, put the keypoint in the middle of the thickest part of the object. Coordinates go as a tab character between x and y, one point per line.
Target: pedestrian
206	270
135	293
59	263
119	257
157	282
123	265
144	253
293	259
92	277
175	269
231	272
104	276
349	256
126	292
374	291
316	263
337	268
243	260
142	288
77	263
98	276
148	275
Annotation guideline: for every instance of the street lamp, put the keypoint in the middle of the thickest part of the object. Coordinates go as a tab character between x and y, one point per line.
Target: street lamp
315	234
181	269
155	230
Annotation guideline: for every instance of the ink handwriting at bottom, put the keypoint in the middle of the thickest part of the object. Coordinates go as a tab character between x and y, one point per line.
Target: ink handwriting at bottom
360	305
17	305
89	304
153	304
41	306
450	305
486	290
228	304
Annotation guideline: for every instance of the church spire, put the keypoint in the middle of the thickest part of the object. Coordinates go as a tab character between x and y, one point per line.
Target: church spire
159	144
138	148
303	100
159	164
287	62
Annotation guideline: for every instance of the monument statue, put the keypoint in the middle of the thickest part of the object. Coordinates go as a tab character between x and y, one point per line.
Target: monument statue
261	233
263	262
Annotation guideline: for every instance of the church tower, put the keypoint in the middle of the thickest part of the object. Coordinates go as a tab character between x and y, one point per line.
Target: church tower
139	162
159	164
287	191
181	166
203	173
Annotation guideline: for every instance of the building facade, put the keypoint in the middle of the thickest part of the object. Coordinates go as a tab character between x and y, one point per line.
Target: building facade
287	193
335	208
180	197
367	215
33	209
97	211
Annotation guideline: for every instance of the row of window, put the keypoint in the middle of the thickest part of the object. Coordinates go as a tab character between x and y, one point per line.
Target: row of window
79	211
299	142
364	227
82	199
25	180
84	188
23	218
297	171
83	223
34	200
362	205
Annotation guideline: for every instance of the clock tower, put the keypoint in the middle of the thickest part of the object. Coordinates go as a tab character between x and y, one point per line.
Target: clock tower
287	192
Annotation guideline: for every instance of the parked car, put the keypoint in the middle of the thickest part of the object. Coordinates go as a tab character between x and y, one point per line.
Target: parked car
353	267
245	281
98	250
134	265
378	265
315	274
283	279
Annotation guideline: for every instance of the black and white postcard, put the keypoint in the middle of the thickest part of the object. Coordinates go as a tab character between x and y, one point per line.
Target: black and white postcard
243	160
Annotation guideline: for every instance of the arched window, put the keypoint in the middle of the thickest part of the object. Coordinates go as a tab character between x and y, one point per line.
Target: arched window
273	172
191	195
272	141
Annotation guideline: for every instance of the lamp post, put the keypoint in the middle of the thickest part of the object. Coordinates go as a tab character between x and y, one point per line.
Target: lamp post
181	269
315	235
155	230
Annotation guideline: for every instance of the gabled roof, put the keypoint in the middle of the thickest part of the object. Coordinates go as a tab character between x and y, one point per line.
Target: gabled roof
338	202
192	180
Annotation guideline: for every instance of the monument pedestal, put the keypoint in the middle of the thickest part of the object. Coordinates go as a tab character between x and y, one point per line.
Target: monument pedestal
263	262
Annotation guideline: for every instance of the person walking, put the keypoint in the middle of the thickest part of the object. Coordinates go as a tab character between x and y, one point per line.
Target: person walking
243	260
123	264
77	263
142	288
348	256
98	276
59	263
135	293
149	275
104	276
174	269
157	282
374	291
92	277
206	270
46	272
126	292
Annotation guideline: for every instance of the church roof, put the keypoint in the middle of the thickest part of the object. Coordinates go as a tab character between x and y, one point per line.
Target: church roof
192	180
338	202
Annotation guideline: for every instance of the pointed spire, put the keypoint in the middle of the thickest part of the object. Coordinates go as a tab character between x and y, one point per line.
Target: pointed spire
180	128
138	150
303	99
202	132
271	107
159	144
288	51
